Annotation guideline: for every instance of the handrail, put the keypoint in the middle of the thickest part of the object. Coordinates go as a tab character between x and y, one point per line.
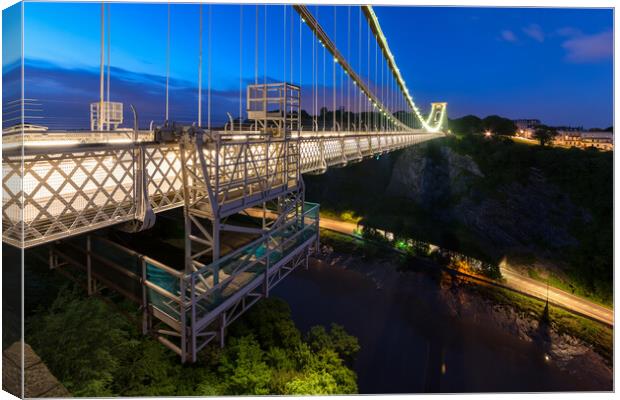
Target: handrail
265	256
254	243
166	268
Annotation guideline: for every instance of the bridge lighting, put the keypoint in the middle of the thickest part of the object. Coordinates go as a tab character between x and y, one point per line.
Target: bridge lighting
335	60
303	20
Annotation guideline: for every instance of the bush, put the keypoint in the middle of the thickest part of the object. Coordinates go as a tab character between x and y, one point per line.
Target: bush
103	354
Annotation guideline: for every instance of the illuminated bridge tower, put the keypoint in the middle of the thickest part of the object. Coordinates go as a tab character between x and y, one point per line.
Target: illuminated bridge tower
439	115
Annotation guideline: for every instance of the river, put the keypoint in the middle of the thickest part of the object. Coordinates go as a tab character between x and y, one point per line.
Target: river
412	341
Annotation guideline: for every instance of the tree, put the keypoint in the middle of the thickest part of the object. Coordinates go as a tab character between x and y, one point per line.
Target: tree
78	327
244	368
314	382
345	345
467	125
544	134
499	125
104	354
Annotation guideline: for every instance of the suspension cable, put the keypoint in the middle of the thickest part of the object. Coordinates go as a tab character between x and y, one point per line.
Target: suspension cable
209	73
108	89
200	66
167	62
240	68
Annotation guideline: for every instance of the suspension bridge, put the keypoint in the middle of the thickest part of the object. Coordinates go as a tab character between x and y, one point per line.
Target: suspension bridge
240	186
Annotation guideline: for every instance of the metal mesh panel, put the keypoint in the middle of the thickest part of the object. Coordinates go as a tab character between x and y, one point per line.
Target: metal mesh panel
168	282
72	191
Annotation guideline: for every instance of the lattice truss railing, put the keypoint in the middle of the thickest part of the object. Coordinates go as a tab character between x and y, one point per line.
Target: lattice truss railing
321	152
51	196
65	193
240	173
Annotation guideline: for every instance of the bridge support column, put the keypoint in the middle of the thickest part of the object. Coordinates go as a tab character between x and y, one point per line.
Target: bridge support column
89	274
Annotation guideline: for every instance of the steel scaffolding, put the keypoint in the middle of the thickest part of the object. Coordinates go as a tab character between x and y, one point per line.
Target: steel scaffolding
85	183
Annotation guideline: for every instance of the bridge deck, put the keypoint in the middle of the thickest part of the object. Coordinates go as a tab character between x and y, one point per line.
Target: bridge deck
59	187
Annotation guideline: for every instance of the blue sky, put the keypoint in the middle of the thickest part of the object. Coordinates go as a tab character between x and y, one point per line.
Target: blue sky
552	64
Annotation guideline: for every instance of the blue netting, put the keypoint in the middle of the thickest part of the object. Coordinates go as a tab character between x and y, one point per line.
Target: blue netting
167	282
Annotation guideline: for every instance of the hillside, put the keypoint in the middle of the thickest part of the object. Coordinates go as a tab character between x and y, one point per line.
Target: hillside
546	210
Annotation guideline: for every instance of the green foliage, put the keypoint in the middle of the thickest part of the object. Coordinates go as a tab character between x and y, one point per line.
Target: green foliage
103	354
585	176
544	134
338	340
244	367
320	383
467	125
89	341
270	322
473	125
499	125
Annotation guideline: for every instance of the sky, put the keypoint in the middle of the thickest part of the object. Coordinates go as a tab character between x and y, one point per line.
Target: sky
545	63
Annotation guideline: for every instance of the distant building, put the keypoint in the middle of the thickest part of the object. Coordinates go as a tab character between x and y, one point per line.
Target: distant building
525	127
567	138
601	140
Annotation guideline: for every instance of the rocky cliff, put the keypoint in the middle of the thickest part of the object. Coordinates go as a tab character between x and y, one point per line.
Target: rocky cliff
523	216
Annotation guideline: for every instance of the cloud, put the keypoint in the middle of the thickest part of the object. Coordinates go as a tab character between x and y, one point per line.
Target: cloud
509	36
568	31
65	95
535	32
589	48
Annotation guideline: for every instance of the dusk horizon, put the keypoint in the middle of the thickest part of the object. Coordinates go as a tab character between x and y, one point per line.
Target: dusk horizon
296	200
545	64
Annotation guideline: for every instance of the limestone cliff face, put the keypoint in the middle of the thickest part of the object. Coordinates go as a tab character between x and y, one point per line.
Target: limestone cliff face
521	216
429	178
433	178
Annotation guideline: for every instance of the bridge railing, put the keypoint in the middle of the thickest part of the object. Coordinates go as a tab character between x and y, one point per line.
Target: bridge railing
218	281
244	171
54	192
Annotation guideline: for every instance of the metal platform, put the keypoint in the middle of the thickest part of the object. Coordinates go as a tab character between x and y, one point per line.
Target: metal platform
186	311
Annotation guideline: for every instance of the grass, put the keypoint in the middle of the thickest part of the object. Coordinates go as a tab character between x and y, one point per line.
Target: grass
525	141
597	335
346	216
340	242
558	282
349	244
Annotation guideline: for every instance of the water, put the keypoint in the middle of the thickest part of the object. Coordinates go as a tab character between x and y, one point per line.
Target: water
411	343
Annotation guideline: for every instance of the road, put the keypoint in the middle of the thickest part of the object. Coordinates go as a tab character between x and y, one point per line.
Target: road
516	281
567	300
